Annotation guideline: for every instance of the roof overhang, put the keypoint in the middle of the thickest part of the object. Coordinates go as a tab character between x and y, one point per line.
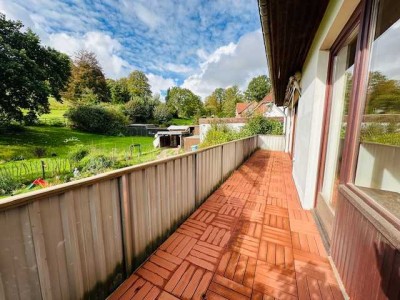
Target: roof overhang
289	27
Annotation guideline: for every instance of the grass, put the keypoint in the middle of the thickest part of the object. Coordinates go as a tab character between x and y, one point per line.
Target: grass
383	138
61	140
176	121
57	142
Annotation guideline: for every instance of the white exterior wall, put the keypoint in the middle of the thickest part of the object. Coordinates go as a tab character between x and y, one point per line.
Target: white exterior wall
311	103
276	112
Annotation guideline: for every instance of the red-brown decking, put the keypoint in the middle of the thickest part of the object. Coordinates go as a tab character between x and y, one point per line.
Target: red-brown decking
250	240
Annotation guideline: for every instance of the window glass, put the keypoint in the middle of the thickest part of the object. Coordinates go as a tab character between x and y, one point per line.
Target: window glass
342	81
378	165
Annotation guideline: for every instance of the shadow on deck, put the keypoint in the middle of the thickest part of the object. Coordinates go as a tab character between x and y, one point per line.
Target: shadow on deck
249	240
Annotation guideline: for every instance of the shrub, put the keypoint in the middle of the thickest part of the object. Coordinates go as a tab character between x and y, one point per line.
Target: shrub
8	184
162	113
96	164
218	134
259	124
39	152
78	153
138	110
97	119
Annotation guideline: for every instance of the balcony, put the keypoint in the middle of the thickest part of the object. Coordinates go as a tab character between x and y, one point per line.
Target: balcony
168	229
249	240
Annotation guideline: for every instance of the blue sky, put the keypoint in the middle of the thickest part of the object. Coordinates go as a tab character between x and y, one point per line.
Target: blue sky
196	44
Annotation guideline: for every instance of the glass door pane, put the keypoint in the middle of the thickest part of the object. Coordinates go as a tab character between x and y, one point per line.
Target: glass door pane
378	167
342	81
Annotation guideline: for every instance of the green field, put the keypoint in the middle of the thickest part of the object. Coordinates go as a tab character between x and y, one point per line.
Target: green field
24	149
59	141
177	121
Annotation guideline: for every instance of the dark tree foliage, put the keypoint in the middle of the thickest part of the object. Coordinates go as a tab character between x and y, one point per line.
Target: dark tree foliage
222	102
29	72
138	84
183	103
258	88
383	94
118	90
87	83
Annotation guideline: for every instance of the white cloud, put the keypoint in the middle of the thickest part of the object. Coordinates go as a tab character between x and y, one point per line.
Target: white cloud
177	68
159	83
104	46
229	65
146	16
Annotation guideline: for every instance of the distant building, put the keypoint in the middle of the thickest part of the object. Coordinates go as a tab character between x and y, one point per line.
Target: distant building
173	136
266	107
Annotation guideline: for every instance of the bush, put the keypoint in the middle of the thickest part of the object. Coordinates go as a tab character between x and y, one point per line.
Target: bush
162	114
138	110
8	184
97	119
259	124
78	153
219	134
96	164
39	152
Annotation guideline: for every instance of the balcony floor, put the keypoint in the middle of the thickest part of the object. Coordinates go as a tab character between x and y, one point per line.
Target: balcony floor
249	240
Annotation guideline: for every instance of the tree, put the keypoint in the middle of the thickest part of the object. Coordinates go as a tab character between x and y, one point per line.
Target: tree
232	96
138	110
222	102
30	72
183	102
118	90
383	94
138	84
213	103
162	114
87	81
258	88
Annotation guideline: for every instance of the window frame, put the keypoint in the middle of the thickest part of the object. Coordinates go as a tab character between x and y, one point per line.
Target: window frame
354	23
358	98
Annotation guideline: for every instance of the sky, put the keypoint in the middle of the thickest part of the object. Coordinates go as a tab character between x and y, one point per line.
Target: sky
196	44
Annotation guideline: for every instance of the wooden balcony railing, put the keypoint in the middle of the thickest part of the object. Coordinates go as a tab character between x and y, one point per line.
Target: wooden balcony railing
82	239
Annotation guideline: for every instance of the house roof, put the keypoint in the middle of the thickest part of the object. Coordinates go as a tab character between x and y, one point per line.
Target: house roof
240	107
255	106
288	28
178	128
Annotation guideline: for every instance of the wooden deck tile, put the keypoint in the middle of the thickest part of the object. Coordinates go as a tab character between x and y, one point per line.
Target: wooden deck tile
249	240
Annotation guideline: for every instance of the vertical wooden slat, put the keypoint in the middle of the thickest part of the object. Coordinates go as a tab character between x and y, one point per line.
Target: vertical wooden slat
98	237
40	250
126	216
359	250
71	245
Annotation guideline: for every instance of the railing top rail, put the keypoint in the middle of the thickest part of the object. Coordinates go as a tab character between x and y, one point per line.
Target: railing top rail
22	199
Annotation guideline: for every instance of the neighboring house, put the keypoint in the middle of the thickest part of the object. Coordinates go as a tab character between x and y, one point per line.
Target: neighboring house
330	63
266	107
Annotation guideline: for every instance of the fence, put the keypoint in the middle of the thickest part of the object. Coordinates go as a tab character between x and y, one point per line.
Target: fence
271	142
378	167
30	170
82	239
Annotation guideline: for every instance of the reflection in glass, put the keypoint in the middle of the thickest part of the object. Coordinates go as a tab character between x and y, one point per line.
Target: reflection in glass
341	89
378	168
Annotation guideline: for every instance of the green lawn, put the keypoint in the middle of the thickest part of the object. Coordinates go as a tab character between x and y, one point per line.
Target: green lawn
19	148
177	121
58	141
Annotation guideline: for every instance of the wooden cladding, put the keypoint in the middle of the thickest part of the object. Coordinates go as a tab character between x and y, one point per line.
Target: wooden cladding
367	262
83	239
